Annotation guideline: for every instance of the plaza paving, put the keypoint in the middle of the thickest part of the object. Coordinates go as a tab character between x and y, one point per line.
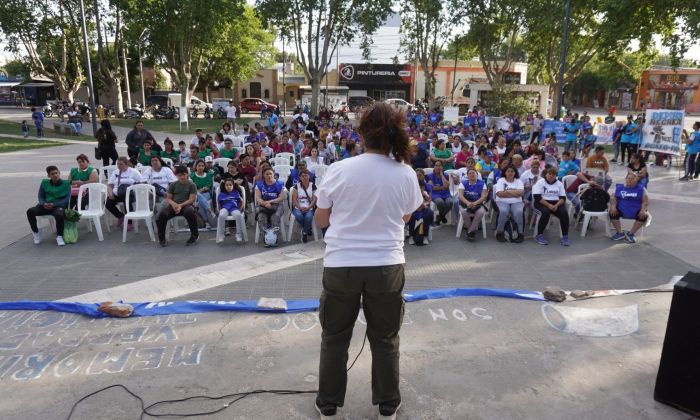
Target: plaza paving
466	358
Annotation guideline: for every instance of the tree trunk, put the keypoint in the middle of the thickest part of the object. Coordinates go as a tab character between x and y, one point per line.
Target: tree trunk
429	87
206	92
117	97
184	90
315	92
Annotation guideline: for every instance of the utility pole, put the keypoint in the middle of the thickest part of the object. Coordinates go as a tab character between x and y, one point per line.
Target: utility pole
143	92
126	80
284	84
562	66
454	71
91	89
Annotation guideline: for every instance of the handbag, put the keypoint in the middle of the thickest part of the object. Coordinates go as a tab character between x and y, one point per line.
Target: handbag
98	153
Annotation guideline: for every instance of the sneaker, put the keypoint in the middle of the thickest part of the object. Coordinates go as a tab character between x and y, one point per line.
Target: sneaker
620	163
120	222
696	176
37	237
437	221
426	241
411	241
219	240
629	237
500	237
388	412
471	236
228	232
617	236
163	244
130	227
192	240
304	238
239	237
326	411
60	241
540	239
565	240
685	178
613	160
519	239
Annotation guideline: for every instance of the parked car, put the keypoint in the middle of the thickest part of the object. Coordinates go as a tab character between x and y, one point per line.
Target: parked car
254	105
359	101
198	104
398	103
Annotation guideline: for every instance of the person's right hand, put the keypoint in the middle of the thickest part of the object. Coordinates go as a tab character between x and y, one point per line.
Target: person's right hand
613	212
48	206
177	208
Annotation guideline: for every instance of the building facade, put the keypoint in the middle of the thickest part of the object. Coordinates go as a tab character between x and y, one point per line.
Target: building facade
666	88
378	81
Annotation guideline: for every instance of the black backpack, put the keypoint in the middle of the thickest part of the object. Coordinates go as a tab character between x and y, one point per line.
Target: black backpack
595	199
419	235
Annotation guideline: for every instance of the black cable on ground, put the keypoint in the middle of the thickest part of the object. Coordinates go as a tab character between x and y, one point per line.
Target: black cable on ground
234	398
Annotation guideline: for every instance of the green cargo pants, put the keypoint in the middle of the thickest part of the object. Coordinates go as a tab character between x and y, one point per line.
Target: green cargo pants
381	291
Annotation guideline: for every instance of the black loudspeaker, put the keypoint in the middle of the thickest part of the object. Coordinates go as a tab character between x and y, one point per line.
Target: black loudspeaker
678	380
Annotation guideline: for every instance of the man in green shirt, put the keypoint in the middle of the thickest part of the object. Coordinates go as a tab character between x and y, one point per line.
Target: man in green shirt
54	195
180	199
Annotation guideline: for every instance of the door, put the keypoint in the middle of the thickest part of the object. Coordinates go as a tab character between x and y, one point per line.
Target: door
255	89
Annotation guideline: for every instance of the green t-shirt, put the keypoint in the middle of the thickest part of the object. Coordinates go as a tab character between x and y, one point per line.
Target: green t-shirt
174	155
78	175
231	154
181	192
204	181
205	153
443	154
55	193
145	159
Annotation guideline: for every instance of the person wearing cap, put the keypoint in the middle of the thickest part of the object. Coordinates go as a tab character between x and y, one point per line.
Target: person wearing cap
628	139
204	181
419	156
486	165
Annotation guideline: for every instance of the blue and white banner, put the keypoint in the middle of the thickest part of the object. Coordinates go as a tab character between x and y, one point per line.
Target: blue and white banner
662	131
556	127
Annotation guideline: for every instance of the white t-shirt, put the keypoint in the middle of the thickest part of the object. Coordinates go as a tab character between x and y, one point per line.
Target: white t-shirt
366	226
164	177
528	178
230	112
305	195
504	185
550	192
462	174
129	177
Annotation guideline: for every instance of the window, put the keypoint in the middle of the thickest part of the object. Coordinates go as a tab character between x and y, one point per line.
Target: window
255	89
267	93
244	93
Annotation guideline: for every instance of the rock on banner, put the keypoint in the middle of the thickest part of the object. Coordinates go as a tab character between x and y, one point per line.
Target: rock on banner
662	131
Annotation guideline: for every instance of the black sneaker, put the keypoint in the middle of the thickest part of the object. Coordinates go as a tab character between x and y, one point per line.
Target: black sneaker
304	238
471	236
519	239
163	244
388	412
500	237
192	240
326	411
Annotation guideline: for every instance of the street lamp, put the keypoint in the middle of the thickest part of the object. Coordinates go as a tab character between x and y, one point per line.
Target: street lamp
562	66
143	94
91	90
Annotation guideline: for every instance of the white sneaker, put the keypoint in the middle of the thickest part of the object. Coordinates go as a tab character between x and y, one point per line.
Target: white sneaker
37	237
239	237
410	240
60	241
219	240
426	241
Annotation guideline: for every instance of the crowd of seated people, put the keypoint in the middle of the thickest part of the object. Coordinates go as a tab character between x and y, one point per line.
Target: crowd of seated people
466	169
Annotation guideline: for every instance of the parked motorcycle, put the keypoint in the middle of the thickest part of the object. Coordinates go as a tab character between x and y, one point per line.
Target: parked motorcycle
167	113
134	112
207	112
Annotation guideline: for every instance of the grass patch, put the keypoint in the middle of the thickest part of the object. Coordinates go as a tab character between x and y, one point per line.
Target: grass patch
11	127
13	145
173	126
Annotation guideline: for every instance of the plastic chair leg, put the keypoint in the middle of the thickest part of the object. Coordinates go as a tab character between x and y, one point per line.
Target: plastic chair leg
460	226
149	225
126	224
483	226
584	227
98	228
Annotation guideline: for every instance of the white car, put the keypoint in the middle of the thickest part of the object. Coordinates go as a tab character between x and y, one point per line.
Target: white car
398	104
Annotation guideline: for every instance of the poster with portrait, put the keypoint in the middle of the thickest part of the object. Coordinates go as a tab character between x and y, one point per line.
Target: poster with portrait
604	132
662	131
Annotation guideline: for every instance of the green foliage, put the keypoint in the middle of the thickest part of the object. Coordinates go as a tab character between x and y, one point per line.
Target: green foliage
502	100
463	49
17	68
610	73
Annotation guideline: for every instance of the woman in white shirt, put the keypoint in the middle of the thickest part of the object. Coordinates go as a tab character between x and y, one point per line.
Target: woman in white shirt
313	159
364	258
508	196
303	202
160	176
549	197
119	181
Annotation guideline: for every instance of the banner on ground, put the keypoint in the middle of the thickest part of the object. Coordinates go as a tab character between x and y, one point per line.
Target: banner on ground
556	127
604	132
662	131
451	113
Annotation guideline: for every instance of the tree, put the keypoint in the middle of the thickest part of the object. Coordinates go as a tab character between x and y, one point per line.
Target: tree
109	69
459	46
425	29
51	39
502	100
250	47
183	34
17	68
317	27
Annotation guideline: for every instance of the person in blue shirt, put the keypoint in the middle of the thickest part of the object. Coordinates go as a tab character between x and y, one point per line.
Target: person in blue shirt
629	202
571	129
692	149
440	192
272	120
434	117
567	166
269	196
616	134
38	118
230	203
588	142
628	139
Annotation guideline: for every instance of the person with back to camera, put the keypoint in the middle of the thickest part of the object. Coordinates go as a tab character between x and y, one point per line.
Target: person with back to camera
364	259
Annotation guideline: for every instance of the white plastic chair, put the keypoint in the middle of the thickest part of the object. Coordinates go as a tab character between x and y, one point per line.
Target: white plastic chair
292	221
279	160
428	171
460	225
222	162
238	141
588	215
145	200
283	171
283	219
290	156
536	221
241	191
309	132
96	196
109	169
319	173
442	136
142	168
168	162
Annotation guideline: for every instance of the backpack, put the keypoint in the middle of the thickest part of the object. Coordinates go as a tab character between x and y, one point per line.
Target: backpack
595	199
271	236
510	231
419	233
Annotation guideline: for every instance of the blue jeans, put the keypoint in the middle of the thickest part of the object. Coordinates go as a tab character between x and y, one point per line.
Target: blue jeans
77	126
204	204
304	219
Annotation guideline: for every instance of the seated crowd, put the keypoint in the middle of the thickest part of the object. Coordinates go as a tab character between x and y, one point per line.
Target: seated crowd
466	170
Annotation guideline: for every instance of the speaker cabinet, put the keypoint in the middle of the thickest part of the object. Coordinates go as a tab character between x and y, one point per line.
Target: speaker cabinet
678	379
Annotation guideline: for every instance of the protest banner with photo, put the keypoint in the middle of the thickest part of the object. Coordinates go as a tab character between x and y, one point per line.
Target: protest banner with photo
469	120
662	131
604	132
554	126
499	123
525	138
451	113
